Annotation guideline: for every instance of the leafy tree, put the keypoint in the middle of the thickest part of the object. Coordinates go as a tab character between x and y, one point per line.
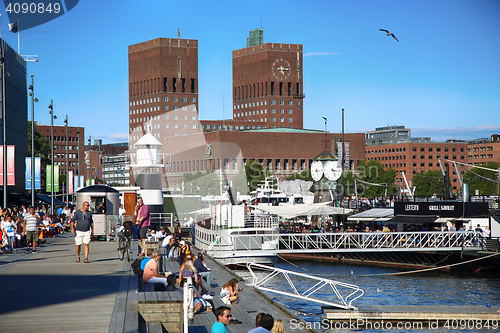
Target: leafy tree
255	174
373	172
429	183
42	150
482	180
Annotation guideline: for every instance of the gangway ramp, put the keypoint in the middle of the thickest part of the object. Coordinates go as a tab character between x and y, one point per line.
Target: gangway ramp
306	287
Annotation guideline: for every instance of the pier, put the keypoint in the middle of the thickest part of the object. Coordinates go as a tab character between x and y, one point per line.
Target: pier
49	292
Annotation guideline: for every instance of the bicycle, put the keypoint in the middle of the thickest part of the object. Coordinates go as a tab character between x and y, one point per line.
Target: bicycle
123	245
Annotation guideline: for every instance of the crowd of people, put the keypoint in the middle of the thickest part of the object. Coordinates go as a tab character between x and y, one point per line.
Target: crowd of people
27	227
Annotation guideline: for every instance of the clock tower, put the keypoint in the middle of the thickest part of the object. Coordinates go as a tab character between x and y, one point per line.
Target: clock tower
267	86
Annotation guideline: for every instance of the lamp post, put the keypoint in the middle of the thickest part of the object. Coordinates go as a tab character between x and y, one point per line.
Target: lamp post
33	100
4	128
67	162
52	117
90	160
325	122
342	164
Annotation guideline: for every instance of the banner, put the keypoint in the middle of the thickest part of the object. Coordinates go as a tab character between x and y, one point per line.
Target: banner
27	174
70	181
48	178
38	173
56	178
11	171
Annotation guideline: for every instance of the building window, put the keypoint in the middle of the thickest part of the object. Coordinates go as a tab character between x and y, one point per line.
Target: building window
414	157
273	110
422	149
184	99
290	103
414	149
282	110
176	126
165	125
273	119
175	107
282	120
290	111
174	99
273	102
165	107
184	117
282	102
184	126
193	117
193	126
430	165
165	116
290	120
175	117
184	108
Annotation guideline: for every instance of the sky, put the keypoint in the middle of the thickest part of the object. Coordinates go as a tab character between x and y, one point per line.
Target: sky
442	79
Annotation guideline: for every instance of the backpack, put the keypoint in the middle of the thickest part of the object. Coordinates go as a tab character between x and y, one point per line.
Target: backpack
127	228
136	266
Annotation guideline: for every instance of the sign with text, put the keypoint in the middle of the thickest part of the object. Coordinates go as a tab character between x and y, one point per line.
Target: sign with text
49	178
441	208
11	167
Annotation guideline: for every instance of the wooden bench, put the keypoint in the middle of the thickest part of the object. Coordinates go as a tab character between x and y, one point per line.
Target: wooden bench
162	306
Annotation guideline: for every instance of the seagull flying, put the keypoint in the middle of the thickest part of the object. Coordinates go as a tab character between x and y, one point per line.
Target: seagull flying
389	34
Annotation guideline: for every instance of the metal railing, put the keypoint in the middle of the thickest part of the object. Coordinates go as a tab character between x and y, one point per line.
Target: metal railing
162	219
381	242
304	286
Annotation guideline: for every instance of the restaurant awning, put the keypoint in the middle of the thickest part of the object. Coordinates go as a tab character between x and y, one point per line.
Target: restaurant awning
374	214
291	211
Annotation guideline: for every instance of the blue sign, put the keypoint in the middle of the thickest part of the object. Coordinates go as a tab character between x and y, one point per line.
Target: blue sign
28	174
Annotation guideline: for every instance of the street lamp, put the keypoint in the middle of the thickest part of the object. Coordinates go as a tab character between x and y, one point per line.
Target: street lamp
52	117
67	162
90	160
33	101
4	127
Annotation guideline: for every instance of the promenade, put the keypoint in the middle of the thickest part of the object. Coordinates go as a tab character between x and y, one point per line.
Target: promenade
49	292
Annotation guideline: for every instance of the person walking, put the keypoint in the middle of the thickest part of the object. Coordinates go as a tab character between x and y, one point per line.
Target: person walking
142	221
83	224
30	228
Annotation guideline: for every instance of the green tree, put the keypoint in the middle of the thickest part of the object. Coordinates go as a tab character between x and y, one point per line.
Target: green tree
42	150
429	183
483	180
240	182
373	172
255	174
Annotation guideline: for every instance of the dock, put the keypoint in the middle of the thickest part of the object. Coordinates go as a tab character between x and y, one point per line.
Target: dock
415	313
49	292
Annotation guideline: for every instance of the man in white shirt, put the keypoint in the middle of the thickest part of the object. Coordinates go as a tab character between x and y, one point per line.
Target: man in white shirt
122	210
30	228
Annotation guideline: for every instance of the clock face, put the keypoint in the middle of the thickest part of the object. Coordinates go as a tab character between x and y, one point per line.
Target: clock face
317	170
332	170
281	69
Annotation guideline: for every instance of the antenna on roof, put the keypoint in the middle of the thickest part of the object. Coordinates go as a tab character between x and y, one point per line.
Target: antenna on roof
178	33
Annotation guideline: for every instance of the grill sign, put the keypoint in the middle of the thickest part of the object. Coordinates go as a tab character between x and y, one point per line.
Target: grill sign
441	209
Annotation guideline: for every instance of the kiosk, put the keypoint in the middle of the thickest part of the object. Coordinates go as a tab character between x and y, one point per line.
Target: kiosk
103	200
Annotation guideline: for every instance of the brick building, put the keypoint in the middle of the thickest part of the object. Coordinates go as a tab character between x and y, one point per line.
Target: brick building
75	152
163	88
482	151
413	157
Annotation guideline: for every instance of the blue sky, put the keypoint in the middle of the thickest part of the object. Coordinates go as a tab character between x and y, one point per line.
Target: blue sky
442	79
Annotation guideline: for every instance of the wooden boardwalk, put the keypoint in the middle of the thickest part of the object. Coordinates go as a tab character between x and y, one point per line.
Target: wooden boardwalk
250	304
49	292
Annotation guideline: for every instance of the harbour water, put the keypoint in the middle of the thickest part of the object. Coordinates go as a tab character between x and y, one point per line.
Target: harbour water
429	288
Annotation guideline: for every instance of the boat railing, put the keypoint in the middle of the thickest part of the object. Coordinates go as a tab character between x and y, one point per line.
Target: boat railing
382	241
252	221
214	244
305	287
162	219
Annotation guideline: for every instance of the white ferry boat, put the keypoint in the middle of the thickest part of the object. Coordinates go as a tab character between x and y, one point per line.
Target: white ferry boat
237	235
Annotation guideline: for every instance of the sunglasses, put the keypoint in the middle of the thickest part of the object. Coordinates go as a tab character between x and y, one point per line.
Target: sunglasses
228	316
